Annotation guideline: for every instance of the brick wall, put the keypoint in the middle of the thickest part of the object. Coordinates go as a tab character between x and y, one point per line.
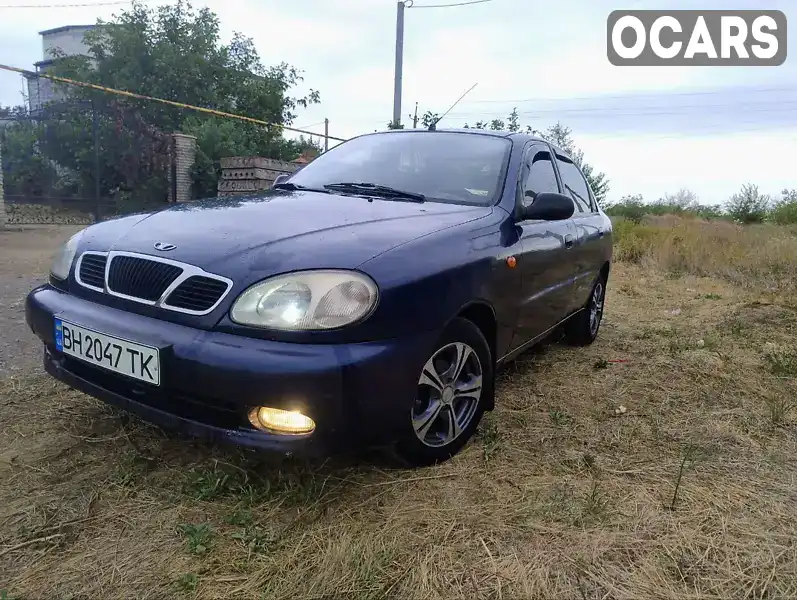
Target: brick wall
183	156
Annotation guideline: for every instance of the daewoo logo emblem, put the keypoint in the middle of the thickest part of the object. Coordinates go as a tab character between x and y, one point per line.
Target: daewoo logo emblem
164	247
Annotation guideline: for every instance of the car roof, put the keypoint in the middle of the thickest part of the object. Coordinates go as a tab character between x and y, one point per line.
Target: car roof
515	135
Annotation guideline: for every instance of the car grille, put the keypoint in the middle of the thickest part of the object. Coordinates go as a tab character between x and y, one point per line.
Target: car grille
92	270
197	293
141	278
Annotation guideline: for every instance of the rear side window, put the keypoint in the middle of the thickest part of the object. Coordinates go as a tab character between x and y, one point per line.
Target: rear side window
574	183
540	176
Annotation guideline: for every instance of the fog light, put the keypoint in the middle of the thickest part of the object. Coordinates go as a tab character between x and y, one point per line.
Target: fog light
281	421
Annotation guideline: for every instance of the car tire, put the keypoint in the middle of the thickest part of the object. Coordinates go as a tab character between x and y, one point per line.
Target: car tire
450	398
583	328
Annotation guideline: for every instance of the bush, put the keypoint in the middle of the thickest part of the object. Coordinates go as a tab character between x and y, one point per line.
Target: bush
629	207
785	211
683	203
749	205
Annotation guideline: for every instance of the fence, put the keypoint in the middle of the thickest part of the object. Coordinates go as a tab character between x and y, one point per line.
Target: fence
79	162
99	153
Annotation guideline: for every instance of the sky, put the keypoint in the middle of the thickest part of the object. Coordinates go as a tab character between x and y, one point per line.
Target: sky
652	130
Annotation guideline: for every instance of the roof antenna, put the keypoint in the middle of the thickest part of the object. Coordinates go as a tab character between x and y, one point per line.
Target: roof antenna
433	125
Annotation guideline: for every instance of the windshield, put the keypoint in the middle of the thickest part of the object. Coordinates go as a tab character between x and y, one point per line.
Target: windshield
460	168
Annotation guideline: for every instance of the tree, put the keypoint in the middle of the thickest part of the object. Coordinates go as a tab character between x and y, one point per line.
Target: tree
631	207
682	200
749	205
13	112
513	123
174	52
785	210
26	170
428	118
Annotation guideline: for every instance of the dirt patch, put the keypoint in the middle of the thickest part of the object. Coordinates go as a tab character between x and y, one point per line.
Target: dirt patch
26	252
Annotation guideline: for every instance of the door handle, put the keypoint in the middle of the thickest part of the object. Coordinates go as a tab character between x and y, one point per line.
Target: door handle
568	241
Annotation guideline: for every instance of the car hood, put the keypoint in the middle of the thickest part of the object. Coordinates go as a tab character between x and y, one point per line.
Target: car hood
279	231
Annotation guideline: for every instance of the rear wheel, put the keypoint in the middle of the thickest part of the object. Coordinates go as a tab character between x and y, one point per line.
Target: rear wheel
453	389
583	327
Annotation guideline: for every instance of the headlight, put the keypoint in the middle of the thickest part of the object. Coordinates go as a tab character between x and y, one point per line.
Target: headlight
63	260
306	301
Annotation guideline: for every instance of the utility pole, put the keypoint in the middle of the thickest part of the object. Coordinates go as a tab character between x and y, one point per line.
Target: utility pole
399	63
415	117
326	135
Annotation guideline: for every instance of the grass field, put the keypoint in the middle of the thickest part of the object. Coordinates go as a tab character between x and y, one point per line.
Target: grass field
657	463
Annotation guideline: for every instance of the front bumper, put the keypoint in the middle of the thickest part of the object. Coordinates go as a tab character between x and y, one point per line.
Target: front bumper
356	393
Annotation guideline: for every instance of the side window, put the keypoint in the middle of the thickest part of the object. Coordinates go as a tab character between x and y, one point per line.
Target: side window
574	183
540	176
593	201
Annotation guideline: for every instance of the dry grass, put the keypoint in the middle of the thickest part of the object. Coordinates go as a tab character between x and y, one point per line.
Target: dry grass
763	257
557	497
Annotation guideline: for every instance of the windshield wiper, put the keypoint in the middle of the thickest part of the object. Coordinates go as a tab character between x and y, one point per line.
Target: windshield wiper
293	186
375	190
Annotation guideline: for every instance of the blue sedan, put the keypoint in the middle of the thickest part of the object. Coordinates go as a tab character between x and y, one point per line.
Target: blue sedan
367	299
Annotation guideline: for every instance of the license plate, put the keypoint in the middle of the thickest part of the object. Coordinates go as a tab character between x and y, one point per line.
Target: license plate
109	352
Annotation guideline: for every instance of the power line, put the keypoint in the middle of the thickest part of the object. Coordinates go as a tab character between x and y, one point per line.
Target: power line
610	112
633	95
693	133
411	4
112	3
211	111
312	125
618	112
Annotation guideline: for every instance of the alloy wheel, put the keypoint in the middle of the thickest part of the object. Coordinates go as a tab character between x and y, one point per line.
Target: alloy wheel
596	308
448	395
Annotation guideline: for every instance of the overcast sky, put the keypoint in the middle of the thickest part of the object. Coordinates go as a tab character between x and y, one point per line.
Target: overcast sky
652	130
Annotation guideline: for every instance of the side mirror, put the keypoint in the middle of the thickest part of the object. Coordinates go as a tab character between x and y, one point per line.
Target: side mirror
549	206
280	178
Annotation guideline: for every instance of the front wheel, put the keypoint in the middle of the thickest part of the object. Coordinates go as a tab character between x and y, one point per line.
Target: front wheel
453	389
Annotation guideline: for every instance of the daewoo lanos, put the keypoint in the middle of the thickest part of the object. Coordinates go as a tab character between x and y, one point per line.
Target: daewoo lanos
367	299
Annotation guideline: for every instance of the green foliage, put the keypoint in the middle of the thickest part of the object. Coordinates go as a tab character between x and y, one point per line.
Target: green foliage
749	205
26	171
683	203
13	112
188	582
394	125
784	212
133	154
198	538
428	118
172	52
513	122
631	207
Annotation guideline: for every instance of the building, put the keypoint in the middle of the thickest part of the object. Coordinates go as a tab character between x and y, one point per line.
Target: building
67	40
